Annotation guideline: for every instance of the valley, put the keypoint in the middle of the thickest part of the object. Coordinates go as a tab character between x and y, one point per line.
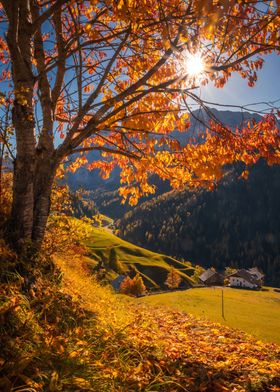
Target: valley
236	224
254	312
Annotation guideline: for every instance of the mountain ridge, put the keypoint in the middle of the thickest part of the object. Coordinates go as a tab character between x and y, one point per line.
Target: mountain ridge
90	180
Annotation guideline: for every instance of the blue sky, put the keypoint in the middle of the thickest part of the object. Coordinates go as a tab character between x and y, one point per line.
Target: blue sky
237	91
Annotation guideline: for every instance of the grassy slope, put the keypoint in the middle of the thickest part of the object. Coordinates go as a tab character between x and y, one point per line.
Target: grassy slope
255	312
165	350
153	265
76	335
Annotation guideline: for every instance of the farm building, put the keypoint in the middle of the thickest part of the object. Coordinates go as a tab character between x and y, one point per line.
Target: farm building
244	278
116	283
257	274
210	277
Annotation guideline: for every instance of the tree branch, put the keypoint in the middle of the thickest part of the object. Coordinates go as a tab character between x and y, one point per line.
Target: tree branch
61	62
43	85
105	149
238	61
47	14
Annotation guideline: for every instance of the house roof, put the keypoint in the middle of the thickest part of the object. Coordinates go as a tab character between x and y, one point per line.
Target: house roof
208	274
117	282
242	273
255	271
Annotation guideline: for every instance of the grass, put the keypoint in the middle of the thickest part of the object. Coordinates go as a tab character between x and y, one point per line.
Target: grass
151	348
255	312
102	220
83	288
72	334
152	266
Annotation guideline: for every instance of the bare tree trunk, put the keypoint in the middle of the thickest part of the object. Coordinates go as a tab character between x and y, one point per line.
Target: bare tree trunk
19	40
23	188
35	166
45	159
1	168
45	173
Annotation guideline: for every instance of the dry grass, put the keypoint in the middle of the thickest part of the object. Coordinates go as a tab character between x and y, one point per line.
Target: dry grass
68	333
255	312
83	287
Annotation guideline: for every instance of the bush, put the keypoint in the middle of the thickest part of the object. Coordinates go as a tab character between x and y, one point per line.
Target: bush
134	287
5	199
65	234
173	279
197	272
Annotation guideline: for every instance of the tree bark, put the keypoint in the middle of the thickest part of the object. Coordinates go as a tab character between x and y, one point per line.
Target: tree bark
19	40
32	199
23	189
35	165
45	173
1	168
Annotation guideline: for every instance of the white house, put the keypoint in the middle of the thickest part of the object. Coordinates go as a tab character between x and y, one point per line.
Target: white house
243	278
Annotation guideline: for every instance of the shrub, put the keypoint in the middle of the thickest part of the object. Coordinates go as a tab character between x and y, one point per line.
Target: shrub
230	270
134	287
5	198
65	234
173	279
197	272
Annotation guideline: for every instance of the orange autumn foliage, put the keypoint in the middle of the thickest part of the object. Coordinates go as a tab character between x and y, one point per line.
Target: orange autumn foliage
134	287
173	279
110	77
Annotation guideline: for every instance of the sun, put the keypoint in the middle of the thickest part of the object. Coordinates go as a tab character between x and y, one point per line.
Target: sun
194	64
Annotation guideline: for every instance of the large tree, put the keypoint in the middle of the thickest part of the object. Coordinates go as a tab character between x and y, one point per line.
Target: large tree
113	76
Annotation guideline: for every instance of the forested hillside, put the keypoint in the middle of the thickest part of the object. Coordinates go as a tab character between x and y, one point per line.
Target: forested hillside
110	202
235	225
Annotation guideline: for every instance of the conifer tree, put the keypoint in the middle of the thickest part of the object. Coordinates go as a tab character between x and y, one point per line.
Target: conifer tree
125	287
138	286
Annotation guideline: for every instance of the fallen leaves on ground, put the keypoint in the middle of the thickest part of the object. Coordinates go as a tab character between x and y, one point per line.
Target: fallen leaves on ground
165	350
80	336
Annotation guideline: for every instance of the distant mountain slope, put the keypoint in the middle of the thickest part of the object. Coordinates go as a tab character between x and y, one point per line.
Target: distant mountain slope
90	180
200	118
110	202
237	224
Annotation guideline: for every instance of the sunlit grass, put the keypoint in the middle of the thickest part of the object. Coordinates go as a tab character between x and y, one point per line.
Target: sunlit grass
156	349
255	312
110	309
151	264
75	334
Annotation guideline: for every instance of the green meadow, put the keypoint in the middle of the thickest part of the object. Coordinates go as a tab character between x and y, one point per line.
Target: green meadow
153	267
255	312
